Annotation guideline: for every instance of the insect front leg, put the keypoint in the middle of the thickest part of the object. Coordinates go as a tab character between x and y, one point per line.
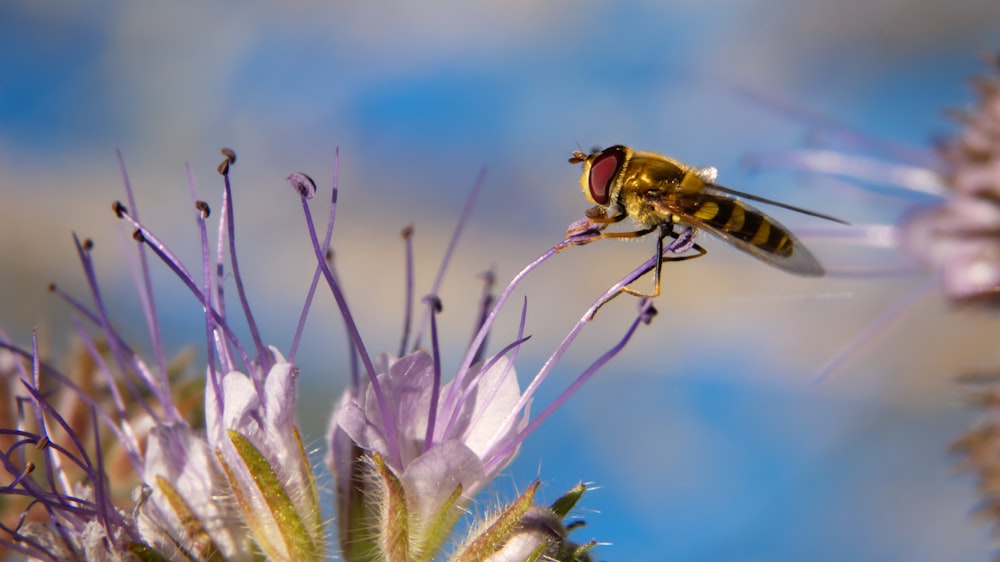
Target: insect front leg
591	227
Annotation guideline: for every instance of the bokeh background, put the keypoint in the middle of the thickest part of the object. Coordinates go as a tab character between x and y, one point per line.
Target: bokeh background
705	439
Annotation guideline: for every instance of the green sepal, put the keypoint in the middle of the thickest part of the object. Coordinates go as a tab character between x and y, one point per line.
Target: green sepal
200	545
145	553
491	538
436	531
562	506
357	513
309	478
394	523
295	541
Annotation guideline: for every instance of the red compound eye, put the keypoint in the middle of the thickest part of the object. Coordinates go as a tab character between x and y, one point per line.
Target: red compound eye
603	172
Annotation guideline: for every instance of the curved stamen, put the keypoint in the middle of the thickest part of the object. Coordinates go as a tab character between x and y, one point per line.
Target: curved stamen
81	395
326	246
485	303
407	235
146	300
611	293
263	355
120	355
477	342
452	243
206	289
509	446
434	304
173	262
387	420
514	348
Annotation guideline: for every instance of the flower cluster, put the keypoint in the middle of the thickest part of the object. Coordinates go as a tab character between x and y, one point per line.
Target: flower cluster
117	458
232	481
953	231
966	247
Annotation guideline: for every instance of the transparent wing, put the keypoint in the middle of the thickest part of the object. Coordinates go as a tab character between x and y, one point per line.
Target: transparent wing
743	226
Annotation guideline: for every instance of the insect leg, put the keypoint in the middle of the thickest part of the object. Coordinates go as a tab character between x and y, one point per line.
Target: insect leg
664	231
683	241
585	228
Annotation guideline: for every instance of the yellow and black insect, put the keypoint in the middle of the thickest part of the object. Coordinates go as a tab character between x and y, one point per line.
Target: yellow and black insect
659	193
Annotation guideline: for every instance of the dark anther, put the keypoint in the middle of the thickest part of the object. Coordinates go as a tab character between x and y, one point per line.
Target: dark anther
204	208
88	244
223	167
329	255
137	235
119	209
303	184
229	153
42	443
53	288
647	311
435	302
29	468
407	232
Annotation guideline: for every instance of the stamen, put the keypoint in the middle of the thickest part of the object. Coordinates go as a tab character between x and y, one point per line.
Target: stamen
489	279
407	235
477	342
462	219
81	395
217	292
352	350
642	317
174	263
121	354
302	184
513	348
611	293
293	349
434	304
352	328
263	355
145	293
225	361
53	466
203	208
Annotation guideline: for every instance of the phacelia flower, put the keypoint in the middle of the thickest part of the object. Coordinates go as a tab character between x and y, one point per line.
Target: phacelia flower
230	483
953	231
950	221
117	458
953	228
408	450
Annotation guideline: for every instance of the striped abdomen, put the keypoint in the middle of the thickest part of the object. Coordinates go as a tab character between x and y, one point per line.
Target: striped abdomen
734	218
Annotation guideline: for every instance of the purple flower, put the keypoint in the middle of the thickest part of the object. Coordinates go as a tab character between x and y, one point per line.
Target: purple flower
408	450
126	459
240	486
952	221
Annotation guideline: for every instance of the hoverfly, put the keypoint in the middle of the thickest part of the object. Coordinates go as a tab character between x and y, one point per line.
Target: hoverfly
660	193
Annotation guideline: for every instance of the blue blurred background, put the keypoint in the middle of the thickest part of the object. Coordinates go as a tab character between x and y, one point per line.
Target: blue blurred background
704	438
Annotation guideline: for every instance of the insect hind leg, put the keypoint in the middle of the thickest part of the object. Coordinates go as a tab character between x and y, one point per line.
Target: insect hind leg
682	242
